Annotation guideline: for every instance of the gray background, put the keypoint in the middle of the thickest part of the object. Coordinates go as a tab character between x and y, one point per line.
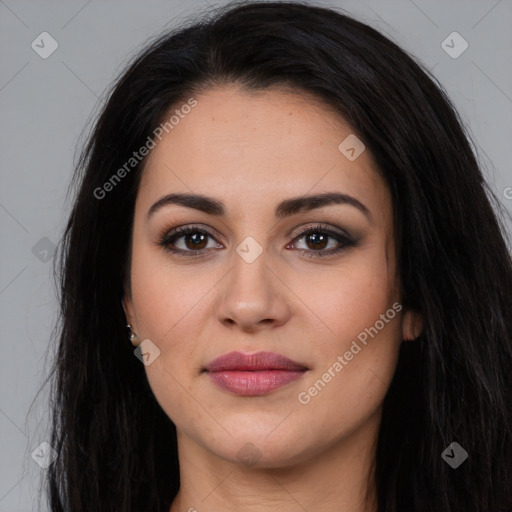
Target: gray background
45	104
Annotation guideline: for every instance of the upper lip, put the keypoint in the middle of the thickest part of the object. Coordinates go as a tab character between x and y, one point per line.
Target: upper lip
253	362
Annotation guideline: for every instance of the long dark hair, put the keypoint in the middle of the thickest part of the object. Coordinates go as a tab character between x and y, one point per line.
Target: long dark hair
117	448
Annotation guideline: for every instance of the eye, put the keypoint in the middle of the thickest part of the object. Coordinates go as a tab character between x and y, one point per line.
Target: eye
195	240
318	238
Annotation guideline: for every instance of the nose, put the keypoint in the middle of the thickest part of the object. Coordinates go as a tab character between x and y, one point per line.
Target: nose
254	296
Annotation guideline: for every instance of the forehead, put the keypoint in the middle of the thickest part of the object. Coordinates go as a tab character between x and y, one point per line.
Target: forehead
266	145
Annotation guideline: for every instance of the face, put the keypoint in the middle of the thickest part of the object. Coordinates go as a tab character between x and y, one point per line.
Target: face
264	269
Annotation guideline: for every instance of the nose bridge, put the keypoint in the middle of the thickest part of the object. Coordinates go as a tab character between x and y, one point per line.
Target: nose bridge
250	279
250	294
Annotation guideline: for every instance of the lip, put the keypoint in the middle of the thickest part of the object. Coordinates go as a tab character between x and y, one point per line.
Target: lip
253	374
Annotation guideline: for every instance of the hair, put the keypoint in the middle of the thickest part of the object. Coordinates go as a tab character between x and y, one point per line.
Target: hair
117	448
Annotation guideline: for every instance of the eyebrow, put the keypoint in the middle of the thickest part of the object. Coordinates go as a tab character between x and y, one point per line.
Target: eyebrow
284	209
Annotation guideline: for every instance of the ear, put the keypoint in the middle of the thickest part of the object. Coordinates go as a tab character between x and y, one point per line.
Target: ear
412	325
128	310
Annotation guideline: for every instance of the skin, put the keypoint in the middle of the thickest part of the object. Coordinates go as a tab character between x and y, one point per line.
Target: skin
252	151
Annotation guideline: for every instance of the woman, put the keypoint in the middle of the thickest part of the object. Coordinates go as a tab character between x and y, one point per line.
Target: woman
285	210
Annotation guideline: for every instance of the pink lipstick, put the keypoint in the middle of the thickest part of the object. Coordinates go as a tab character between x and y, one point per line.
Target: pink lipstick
253	374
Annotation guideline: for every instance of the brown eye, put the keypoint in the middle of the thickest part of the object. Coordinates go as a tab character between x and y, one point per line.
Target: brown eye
193	241
188	240
317	241
196	240
322	241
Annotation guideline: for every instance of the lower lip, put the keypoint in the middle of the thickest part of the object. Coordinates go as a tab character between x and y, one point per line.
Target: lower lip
253	383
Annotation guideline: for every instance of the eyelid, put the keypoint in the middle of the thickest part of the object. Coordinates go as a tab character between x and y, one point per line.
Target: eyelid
166	232
183	228
344	238
324	227
177	232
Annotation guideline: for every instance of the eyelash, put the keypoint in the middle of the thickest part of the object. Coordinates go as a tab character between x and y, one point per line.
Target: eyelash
168	238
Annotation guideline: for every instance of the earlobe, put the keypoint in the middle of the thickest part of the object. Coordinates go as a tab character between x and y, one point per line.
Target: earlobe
412	325
130	318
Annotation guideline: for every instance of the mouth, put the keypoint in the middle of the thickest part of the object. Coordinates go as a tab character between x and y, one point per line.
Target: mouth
253	374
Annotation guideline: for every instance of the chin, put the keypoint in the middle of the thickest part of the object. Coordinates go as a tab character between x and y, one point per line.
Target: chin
263	448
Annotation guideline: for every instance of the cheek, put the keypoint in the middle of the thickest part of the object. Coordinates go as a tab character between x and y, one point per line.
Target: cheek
350	384
167	296
171	303
356	343
345	300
